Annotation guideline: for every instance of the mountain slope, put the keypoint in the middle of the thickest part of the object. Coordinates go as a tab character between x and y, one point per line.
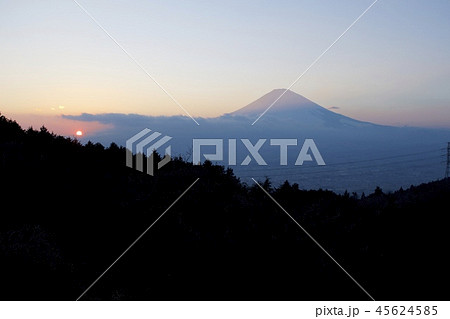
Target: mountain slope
296	108
290	101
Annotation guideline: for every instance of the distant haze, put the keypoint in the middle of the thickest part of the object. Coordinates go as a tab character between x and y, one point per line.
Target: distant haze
359	155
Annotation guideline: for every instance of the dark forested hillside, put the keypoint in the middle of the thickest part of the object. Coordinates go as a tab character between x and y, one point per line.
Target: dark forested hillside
69	210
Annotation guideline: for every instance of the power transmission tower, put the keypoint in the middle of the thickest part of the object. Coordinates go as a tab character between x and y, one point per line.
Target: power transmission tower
447	171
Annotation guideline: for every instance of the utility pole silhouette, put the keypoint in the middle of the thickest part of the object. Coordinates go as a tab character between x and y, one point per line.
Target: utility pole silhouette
447	170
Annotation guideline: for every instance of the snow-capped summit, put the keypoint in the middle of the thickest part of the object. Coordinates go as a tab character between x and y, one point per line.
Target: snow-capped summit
291	108
289	101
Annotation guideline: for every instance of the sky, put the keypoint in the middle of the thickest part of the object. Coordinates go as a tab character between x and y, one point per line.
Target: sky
215	57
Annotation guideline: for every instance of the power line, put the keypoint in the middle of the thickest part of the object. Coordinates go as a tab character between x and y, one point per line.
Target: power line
354	170
321	169
345	163
447	169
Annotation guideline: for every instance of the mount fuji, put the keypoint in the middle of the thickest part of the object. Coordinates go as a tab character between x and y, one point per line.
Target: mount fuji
286	105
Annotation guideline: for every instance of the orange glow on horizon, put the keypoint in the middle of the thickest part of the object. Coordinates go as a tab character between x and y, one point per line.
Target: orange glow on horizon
79	133
57	124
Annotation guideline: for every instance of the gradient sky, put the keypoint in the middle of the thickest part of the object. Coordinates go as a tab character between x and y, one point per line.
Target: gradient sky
393	67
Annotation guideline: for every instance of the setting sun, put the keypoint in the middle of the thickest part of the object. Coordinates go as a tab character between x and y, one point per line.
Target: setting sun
79	133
